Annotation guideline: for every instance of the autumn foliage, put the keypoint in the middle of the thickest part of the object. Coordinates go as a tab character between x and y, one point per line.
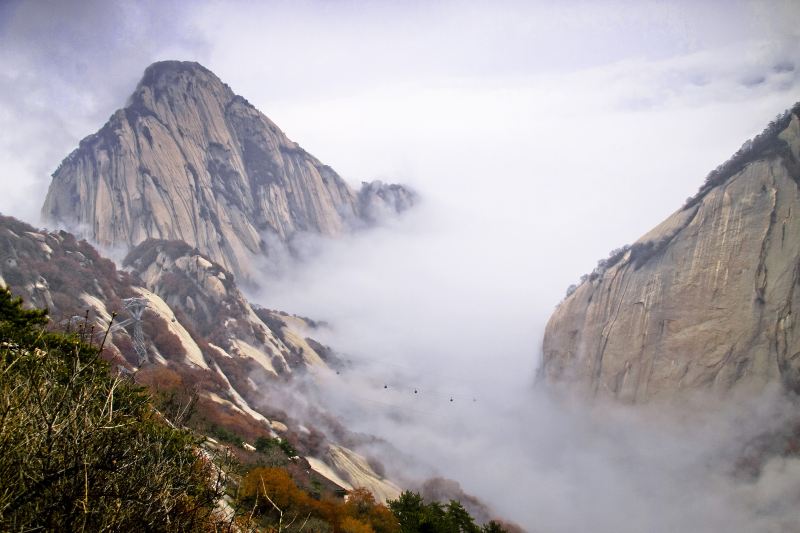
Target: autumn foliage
277	501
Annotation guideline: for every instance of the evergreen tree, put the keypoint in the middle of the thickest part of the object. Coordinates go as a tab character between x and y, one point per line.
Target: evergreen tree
416	516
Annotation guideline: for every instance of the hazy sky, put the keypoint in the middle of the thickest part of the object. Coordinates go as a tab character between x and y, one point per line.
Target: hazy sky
540	135
590	120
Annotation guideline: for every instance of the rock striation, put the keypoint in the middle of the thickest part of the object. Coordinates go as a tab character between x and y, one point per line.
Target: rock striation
204	296
706	299
201	335
187	159
196	317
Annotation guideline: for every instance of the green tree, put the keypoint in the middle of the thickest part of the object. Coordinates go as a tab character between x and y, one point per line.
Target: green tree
493	527
409	509
416	516
459	520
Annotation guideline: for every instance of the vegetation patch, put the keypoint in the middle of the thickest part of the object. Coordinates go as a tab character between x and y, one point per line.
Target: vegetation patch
82	450
762	145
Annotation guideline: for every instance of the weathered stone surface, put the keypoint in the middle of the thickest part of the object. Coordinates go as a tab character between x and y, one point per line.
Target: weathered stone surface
703	301
189	160
205	297
221	346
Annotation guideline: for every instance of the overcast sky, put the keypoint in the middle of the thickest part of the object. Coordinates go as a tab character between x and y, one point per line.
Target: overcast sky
540	135
576	125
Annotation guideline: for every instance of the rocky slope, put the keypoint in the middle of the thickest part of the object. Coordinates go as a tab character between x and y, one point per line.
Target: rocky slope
703	301
57	271
189	160
200	334
205	298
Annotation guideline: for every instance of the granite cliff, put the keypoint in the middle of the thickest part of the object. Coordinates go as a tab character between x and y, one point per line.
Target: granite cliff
189	160
703	301
202	338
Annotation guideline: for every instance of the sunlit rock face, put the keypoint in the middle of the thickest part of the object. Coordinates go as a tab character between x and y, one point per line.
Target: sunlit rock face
205	297
189	160
703	301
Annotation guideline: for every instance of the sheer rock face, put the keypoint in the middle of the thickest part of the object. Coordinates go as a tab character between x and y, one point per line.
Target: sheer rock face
189	160
703	301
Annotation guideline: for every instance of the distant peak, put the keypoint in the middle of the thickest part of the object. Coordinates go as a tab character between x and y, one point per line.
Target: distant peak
174	80
162	72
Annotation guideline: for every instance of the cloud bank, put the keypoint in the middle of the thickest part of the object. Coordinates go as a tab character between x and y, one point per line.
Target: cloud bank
540	136
439	324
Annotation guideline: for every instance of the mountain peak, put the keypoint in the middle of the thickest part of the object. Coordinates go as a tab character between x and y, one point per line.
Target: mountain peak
178	79
189	160
165	72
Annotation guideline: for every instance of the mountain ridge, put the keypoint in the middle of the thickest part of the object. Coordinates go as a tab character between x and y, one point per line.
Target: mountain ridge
188	159
217	355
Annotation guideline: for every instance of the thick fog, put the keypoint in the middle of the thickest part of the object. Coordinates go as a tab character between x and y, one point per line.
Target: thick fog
439	322
553	466
539	136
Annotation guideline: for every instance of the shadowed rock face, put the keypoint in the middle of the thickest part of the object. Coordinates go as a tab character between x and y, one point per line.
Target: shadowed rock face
705	300
189	160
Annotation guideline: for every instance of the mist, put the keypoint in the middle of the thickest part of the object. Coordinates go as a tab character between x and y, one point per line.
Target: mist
538	136
554	466
440	325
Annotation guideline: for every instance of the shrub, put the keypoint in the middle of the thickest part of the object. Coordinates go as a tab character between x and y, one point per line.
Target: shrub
170	394
272	493
167	343
211	414
80	450
226	435
275	498
265	444
287	448
764	144
353	525
362	506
